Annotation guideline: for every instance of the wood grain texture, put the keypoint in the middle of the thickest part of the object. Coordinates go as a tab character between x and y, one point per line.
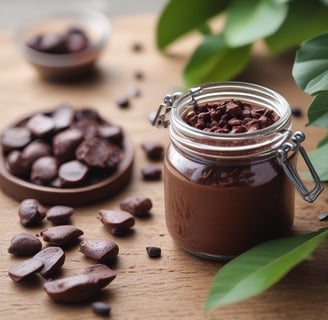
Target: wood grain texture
176	285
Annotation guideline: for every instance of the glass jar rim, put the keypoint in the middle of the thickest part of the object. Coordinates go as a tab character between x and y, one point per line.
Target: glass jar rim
267	139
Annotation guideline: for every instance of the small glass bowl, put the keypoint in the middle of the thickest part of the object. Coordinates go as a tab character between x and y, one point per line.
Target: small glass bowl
65	66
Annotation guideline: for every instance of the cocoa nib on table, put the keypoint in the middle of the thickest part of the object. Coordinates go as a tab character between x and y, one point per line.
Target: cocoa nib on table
153	150
81	287
59	214
230	116
52	258
61	235
24	244
25	269
117	222
31	212
151	172
99	250
138	206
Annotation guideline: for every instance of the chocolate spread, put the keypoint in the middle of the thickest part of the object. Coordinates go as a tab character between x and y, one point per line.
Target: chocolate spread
221	218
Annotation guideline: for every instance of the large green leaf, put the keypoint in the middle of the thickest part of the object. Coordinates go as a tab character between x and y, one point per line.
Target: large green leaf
305	19
318	111
214	61
260	267
248	21
179	17
310	69
318	158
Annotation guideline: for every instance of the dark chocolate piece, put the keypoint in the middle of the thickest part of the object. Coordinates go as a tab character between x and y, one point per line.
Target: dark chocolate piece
16	164
15	138
59	214
63	116
116	222
25	269
35	150
44	170
154	252
99	153
41	125
61	235
81	287
137	206
53	259
99	250
31	212
153	150
101	308
24	244
123	102
151	172
72	173
65	143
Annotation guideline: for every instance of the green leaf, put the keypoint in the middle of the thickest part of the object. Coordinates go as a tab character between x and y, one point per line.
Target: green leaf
260	267
318	111
214	61
248	21
179	17
323	141
318	158
205	29
294	31
310	66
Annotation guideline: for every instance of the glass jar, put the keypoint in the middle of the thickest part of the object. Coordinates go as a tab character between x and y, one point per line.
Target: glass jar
225	193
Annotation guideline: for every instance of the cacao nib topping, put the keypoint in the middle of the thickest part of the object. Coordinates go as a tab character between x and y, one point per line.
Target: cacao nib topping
231	116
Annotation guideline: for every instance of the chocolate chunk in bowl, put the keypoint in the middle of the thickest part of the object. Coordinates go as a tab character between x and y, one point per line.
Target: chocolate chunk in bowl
90	181
64	46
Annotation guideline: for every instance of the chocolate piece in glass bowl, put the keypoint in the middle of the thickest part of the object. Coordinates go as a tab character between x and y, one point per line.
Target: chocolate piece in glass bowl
64	46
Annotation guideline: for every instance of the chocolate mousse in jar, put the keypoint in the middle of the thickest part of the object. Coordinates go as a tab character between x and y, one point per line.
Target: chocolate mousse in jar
230	168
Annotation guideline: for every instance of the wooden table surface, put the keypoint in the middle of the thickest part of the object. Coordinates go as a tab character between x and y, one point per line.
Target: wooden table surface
176	285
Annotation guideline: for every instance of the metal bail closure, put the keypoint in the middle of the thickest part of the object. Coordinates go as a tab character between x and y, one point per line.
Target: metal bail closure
290	170
161	119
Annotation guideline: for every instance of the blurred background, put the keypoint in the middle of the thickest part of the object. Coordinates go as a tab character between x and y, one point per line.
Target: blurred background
12	12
